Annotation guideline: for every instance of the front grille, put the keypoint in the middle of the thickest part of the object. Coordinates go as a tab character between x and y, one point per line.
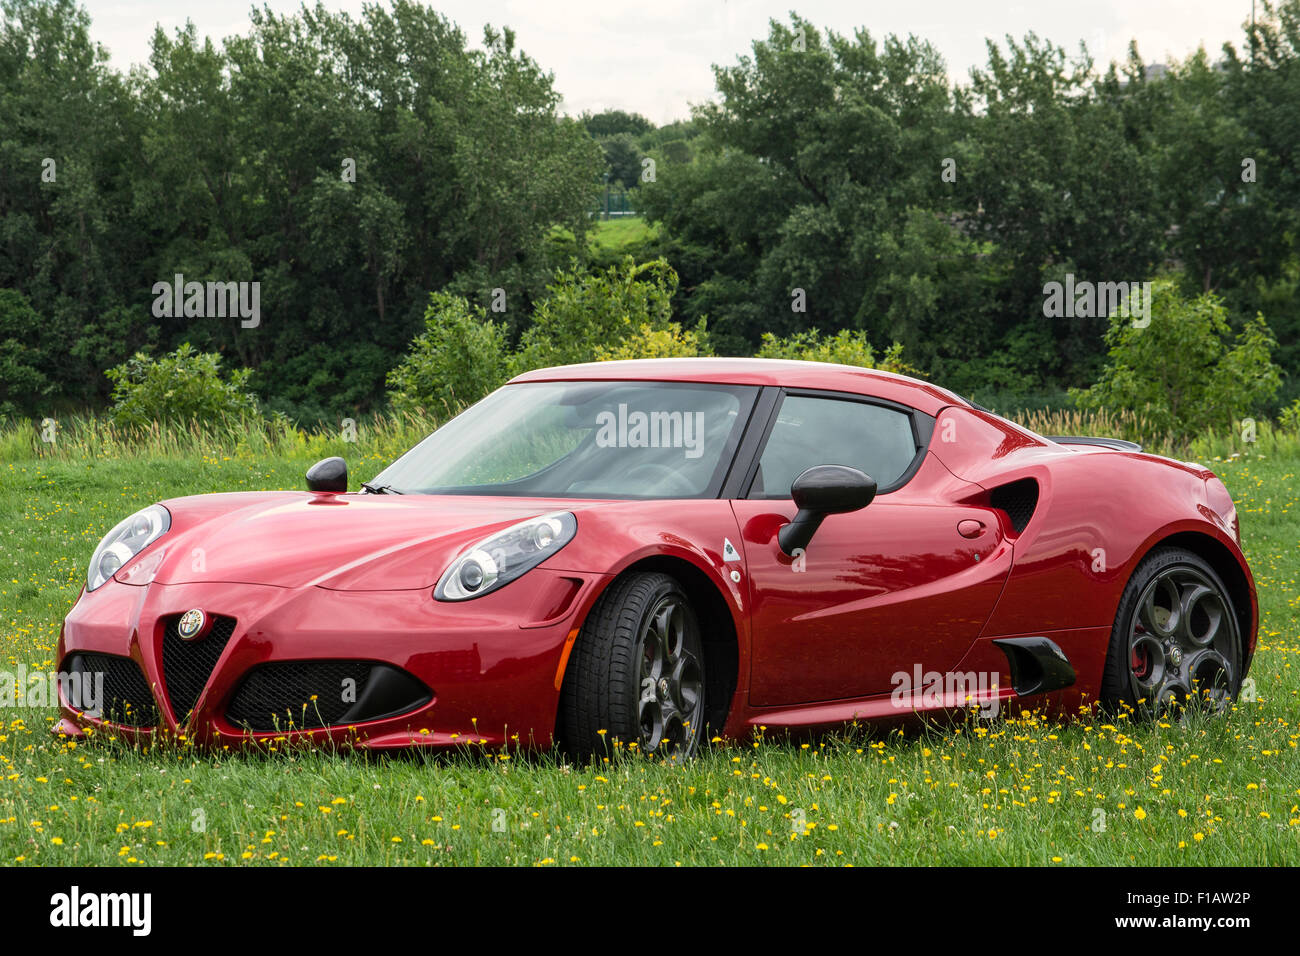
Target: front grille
301	695
1018	499
126	697
187	665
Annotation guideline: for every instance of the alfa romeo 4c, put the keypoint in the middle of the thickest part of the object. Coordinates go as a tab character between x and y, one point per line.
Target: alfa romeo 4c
658	552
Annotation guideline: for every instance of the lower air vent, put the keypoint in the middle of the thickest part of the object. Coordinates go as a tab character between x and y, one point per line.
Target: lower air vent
187	665
1018	499
305	695
126	698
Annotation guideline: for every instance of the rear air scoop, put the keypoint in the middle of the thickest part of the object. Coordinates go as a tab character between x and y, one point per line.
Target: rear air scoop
1115	444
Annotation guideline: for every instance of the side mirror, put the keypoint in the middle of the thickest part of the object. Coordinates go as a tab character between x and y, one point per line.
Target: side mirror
821	491
328	474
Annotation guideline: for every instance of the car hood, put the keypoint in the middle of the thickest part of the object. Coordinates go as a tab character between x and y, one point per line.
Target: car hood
355	542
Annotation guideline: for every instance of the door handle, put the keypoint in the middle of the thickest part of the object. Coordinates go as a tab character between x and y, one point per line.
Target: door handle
970	528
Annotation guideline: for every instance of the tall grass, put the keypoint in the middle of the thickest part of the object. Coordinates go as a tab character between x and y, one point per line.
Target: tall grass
1245	438
1102	424
383	437
76	437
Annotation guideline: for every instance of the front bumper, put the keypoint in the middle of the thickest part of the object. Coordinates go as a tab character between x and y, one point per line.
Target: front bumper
481	672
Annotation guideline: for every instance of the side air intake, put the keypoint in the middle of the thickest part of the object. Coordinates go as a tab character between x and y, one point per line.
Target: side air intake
1018	499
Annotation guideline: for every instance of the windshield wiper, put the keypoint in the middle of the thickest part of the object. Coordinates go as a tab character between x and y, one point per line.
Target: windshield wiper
381	489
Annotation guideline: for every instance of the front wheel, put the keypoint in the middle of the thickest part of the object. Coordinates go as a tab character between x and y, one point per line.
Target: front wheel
1175	640
636	673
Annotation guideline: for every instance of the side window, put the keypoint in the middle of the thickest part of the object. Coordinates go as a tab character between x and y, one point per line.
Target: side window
825	431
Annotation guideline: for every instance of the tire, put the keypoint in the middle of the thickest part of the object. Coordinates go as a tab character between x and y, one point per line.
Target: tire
636	673
1175	640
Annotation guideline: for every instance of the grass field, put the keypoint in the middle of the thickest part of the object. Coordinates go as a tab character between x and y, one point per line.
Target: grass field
1015	791
622	232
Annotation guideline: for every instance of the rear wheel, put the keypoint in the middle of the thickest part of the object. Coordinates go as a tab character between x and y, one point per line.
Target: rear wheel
1175	640
636	673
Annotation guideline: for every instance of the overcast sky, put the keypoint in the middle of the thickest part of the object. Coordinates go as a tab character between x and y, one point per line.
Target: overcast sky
654	56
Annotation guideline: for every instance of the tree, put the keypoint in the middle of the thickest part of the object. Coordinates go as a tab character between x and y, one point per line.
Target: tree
67	135
814	170
458	358
27	370
348	165
615	123
623	157
1180	372
1058	180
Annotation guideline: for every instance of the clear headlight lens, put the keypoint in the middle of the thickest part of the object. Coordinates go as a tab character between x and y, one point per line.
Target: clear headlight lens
1220	500
496	561
125	541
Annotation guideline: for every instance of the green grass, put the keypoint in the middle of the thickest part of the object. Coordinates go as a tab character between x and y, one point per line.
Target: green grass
1008	792
622	232
612	235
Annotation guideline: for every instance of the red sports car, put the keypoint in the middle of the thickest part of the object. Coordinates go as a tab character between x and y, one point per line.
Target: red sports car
660	551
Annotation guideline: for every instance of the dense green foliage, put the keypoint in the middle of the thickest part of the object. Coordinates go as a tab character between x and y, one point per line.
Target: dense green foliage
669	341
843	348
458	358
353	166
26	370
584	312
1180	372
934	215
350	166
620	312
185	386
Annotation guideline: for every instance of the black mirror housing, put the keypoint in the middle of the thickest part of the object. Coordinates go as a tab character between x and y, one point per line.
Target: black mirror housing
820	491
328	474
833	490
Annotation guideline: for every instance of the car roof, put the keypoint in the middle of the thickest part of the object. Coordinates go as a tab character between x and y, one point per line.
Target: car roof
758	371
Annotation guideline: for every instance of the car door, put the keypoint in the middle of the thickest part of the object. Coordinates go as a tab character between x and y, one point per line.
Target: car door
907	581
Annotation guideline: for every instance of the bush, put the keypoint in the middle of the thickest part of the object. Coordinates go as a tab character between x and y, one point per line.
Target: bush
184	386
670	342
1180	372
587	314
458	358
1288	419
844	348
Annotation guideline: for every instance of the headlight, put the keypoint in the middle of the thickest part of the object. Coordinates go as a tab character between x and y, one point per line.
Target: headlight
496	561
126	541
1220	500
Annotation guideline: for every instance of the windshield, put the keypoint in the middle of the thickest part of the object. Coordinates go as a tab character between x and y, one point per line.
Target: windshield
582	440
